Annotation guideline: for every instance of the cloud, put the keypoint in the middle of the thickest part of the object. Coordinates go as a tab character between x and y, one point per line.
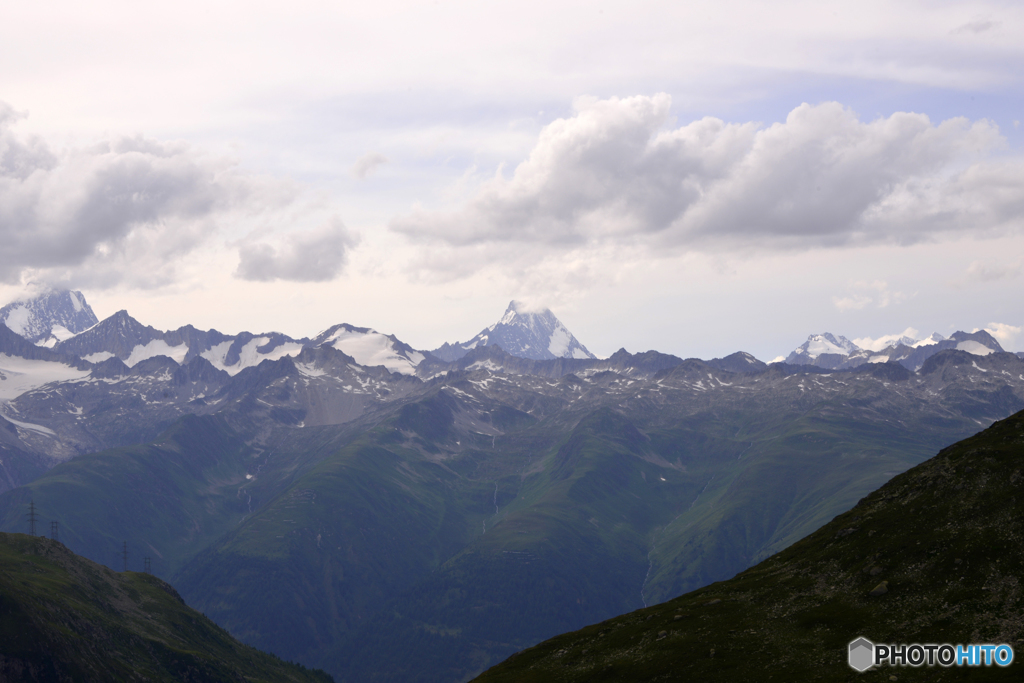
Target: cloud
851	303
617	173
979	272
367	164
312	256
1004	334
131	210
877	344
875	293
979	26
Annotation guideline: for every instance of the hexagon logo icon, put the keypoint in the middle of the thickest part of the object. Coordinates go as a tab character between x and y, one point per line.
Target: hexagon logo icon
862	654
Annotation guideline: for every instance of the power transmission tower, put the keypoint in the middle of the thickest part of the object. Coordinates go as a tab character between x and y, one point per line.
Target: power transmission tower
32	517
147	565
55	531
124	555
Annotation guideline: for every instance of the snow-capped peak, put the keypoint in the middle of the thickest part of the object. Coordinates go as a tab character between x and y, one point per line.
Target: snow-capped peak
369	347
935	338
49	317
826	342
525	331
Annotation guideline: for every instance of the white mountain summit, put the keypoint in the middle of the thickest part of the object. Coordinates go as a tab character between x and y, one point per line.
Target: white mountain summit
523	332
49	317
837	352
817	344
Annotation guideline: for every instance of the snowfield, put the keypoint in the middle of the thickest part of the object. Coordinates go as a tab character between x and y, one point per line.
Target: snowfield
373	348
18	375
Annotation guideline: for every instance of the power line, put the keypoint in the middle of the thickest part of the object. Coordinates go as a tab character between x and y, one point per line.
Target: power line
32	517
55	531
147	565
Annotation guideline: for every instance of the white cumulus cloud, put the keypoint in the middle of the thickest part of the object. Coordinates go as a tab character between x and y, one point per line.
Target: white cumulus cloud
1005	334
617	172
130	210
886	340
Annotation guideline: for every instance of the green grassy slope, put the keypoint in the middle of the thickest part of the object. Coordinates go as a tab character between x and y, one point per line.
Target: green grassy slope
945	536
167	499
64	618
785	484
360	526
570	548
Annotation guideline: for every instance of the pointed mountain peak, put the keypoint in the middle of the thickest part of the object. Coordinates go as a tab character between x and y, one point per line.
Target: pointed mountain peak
49	316
818	344
526	331
117	335
979	342
935	338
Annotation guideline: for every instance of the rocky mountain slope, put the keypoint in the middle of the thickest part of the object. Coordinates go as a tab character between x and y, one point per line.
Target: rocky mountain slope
933	556
64	618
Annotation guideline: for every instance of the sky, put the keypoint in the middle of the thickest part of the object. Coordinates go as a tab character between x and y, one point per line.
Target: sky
697	178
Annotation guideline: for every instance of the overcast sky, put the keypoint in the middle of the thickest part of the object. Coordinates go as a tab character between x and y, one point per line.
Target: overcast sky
697	178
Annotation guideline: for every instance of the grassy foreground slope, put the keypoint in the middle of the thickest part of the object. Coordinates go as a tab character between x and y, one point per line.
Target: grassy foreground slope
945	537
65	618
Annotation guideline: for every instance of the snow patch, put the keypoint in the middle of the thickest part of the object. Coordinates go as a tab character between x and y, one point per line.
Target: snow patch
28	425
61	333
19	319
216	355
928	341
559	341
977	348
309	370
373	348
157	347
18	375
819	344
488	365
248	355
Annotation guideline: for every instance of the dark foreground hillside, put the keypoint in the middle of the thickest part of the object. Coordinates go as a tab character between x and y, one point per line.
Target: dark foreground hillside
933	556
65	618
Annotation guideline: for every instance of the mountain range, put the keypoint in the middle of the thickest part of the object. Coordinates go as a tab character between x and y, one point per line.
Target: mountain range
839	353
356	505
